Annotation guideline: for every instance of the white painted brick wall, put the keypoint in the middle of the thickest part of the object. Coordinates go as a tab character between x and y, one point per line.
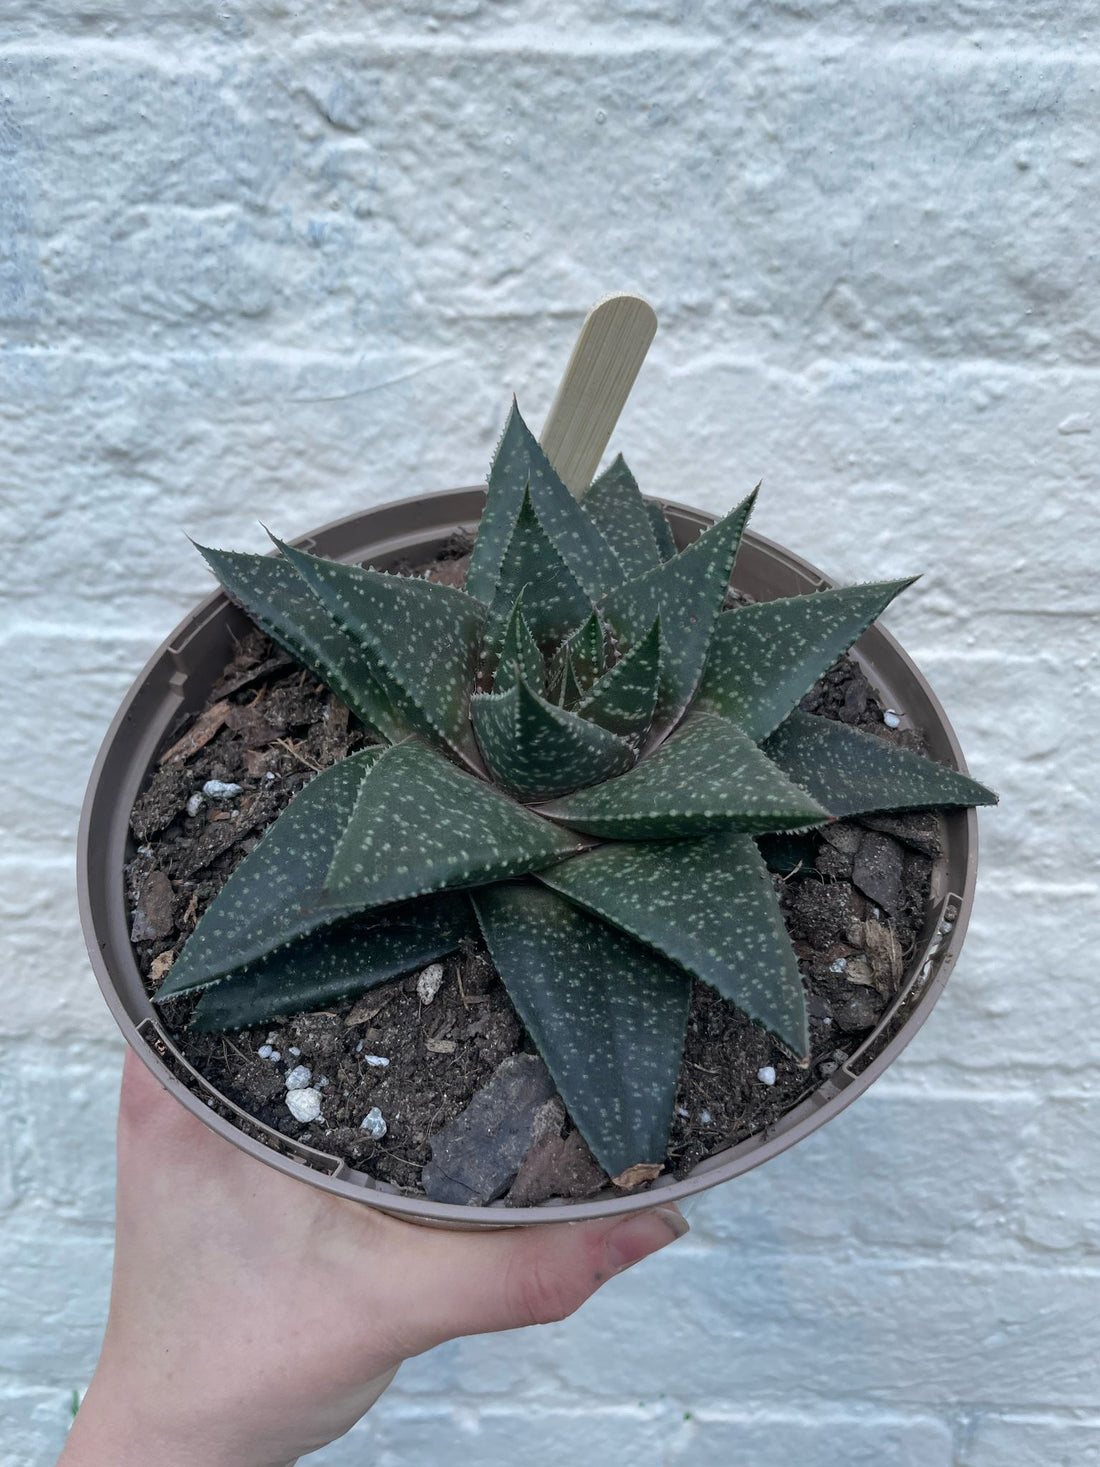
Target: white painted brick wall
268	261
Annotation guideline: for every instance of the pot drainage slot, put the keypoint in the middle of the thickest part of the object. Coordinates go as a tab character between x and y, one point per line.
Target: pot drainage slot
929	973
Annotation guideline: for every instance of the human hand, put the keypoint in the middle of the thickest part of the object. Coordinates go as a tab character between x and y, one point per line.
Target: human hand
254	1318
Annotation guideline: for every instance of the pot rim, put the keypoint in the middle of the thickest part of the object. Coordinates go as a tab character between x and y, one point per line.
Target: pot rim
398	528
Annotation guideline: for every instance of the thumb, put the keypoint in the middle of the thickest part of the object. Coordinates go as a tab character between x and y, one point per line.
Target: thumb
472	1283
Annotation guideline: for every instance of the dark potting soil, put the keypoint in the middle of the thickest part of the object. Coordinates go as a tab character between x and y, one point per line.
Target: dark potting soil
853	898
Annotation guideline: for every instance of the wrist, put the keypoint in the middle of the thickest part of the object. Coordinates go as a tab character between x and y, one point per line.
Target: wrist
110	1430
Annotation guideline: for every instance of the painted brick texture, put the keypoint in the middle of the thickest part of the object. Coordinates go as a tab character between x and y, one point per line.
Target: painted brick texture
261	261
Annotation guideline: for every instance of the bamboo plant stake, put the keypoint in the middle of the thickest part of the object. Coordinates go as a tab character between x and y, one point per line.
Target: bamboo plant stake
609	352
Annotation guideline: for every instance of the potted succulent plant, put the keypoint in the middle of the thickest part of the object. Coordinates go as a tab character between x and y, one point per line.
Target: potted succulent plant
585	760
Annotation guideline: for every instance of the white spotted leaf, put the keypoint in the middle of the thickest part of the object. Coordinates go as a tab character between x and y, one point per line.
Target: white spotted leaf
857	773
708	776
615	505
709	905
519	653
536	750
662	530
687	593
607	1015
624	698
519	465
764	657
339	963
554	601
422	825
283	606
277	893
422	640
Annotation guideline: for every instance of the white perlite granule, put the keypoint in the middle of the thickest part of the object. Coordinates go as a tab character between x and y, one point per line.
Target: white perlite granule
299	1077
304	1105
374	1122
218	789
428	984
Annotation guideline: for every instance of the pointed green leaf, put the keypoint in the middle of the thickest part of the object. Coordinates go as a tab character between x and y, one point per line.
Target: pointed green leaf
562	684
854	773
708	776
764	658
422	639
615	505
570	685
623	699
662	530
519	651
421	825
554	602
519	461
336	964
281	605
587	652
607	1016
277	892
537	750
687	593
707	904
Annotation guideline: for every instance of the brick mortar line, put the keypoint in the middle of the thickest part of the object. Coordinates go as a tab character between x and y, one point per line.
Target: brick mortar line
918	366
459	323
715	1410
988	47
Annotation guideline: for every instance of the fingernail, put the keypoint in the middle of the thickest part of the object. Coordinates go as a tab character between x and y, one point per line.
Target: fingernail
643	1234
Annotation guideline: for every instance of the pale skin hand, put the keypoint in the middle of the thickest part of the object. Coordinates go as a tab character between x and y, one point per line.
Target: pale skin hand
254	1318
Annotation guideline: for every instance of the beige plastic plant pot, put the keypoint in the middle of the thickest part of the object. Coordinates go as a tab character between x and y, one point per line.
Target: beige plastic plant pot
174	686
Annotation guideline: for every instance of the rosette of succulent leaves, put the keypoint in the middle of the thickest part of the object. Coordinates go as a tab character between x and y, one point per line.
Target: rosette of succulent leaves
575	756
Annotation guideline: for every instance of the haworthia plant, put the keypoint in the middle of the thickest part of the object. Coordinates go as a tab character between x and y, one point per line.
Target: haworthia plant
581	756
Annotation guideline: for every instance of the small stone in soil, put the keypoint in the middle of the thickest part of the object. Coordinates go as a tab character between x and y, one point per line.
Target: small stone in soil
476	1157
298	1078
766	1076
304	1104
374	1122
877	870
265	1051
429	982
891	719
155	915
556	1166
194	805
377	1061
220	789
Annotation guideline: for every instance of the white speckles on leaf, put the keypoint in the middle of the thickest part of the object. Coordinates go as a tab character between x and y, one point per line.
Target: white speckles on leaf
764	657
537	750
520	463
443	828
857	773
708	775
423	640
687	594
607	1015
706	904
